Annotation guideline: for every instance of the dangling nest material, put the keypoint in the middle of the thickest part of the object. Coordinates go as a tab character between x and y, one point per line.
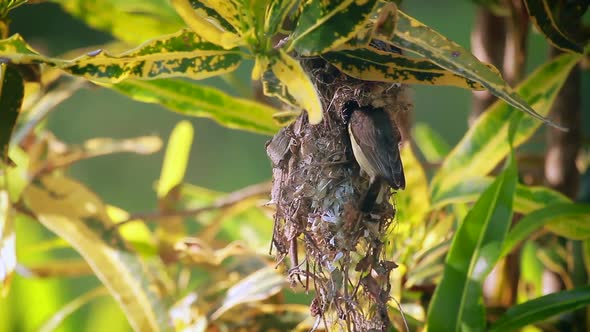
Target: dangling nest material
317	190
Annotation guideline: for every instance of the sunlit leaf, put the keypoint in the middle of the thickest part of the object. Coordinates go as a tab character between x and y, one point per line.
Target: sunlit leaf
74	213
325	25
290	73
372	64
526	198
7	244
457	303
176	158
433	147
122	18
135	232
183	53
542	308
486	142
257	286
413	203
568	220
199	22
273	87
225	13
55	321
12	91
543	15
201	101
413	36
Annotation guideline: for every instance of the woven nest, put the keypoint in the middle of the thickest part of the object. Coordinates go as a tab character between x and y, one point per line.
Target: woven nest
317	190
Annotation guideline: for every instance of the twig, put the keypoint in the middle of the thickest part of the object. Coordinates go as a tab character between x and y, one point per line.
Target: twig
233	198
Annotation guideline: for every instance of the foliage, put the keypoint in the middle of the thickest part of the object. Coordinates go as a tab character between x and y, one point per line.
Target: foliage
454	224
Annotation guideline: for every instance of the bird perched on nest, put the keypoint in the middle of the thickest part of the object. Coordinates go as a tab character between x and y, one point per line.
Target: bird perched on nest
374	138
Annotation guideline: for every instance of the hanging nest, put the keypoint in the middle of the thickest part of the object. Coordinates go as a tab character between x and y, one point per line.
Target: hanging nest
317	189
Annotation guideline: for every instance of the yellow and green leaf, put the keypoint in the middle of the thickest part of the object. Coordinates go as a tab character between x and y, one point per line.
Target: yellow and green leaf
543	15
224	13
526	198
122	18
290	73
183	54
200	23
486	142
371	64
77	215
201	101
324	25
414	36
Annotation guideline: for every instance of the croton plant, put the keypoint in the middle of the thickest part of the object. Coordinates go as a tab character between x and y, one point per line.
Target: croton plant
451	229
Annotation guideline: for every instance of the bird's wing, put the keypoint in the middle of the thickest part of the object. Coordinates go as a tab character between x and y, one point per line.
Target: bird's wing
378	139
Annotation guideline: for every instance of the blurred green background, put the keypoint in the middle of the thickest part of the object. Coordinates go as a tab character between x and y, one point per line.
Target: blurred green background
221	159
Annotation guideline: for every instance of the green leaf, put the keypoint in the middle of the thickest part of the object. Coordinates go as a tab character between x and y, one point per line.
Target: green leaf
290	73
433	146
545	18
372	64
416	37
541	308
176	158
566	219
122	18
182	54
12	90
526	198
7	244
457	304
276	13
196	100
325	25
74	213
486	143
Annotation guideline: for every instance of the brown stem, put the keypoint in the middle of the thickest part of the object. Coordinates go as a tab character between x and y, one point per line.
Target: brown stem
233	198
516	43
561	172
488	41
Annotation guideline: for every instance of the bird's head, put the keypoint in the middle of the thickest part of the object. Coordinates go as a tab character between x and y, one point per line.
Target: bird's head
347	109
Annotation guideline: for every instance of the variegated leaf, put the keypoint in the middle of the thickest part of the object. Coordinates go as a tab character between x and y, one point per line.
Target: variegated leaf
290	73
180	54
486	142
122	18
77	215
324	25
545	17
414	36
276	12
225	13
202	101
199	21
273	87
371	64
